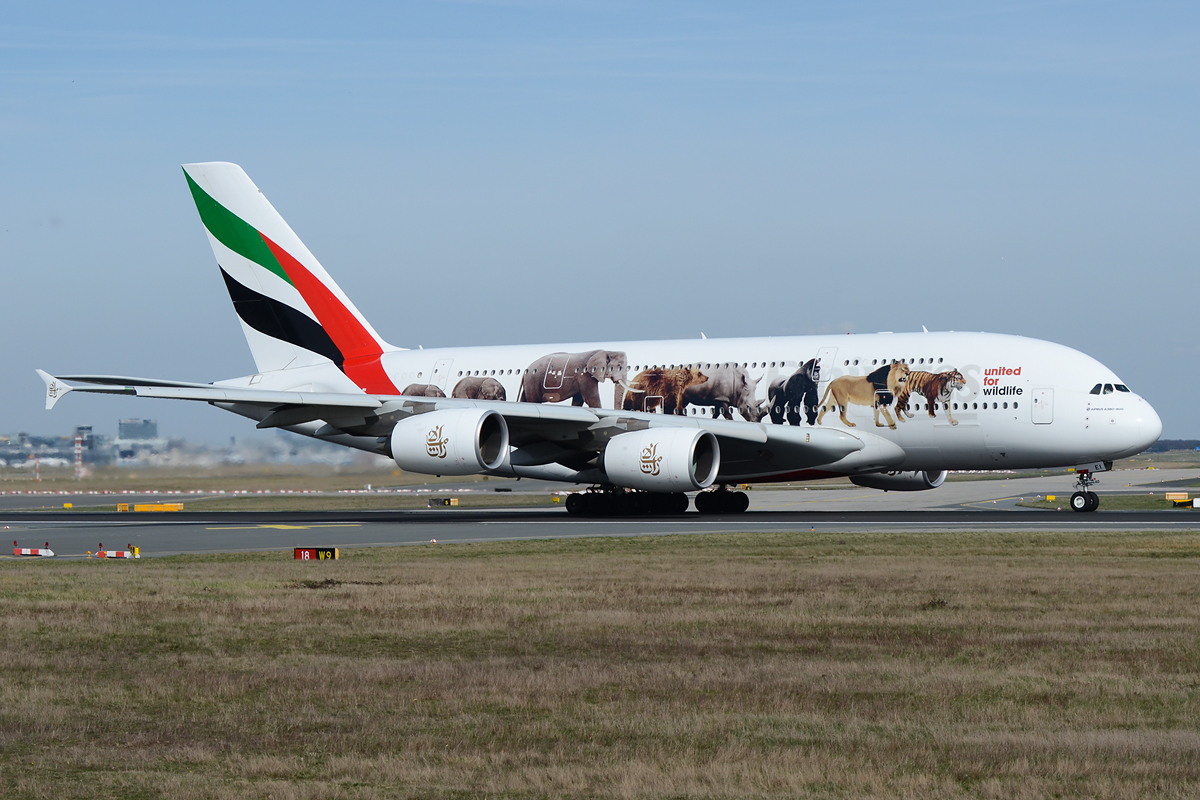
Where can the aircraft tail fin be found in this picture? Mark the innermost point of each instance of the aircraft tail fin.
(291, 310)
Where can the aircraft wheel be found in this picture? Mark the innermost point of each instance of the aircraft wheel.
(604, 505)
(663, 503)
(1080, 502)
(1093, 501)
(738, 502)
(706, 502)
(679, 503)
(624, 505)
(575, 505)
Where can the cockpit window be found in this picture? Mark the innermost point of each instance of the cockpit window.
(1122, 387)
(1108, 388)
(1095, 389)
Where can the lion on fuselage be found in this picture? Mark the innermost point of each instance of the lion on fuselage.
(878, 390)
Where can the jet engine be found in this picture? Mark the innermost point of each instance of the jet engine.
(663, 459)
(454, 442)
(900, 481)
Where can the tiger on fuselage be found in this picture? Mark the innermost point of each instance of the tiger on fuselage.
(936, 387)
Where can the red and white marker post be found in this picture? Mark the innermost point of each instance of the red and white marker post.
(129, 552)
(44, 552)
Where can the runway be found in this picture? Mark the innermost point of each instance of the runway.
(73, 534)
(962, 506)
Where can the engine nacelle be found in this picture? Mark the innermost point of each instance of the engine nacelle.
(900, 481)
(663, 459)
(454, 442)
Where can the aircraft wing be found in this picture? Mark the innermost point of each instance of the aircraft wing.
(284, 408)
(56, 388)
(540, 433)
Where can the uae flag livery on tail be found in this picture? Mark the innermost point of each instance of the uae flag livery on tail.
(292, 312)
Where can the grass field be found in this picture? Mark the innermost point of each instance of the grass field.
(1144, 501)
(767, 665)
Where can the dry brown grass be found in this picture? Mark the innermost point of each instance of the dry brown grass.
(768, 665)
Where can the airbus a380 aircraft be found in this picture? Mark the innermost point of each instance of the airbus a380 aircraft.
(642, 423)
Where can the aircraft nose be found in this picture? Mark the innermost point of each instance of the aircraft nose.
(1150, 426)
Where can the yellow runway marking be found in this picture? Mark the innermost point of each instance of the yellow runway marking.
(289, 527)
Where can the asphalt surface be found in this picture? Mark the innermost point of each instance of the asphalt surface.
(965, 506)
(74, 534)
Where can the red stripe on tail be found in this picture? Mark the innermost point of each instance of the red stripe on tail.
(359, 349)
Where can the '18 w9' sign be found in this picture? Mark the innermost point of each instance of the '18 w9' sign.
(316, 553)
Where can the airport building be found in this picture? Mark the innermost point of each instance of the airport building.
(138, 437)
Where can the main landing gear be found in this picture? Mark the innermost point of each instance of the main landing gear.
(722, 501)
(617, 503)
(1085, 499)
(624, 503)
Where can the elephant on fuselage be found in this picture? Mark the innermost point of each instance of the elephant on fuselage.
(479, 388)
(575, 377)
(422, 390)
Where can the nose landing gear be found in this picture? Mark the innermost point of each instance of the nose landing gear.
(1085, 500)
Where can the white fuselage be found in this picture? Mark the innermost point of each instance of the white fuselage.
(1024, 403)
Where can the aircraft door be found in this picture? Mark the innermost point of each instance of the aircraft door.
(555, 370)
(825, 363)
(441, 373)
(1042, 406)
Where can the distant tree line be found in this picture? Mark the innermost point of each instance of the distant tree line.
(1165, 445)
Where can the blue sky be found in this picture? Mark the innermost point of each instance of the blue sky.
(741, 169)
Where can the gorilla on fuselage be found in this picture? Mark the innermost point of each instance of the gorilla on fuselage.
(793, 395)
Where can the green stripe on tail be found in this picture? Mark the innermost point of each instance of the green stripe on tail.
(232, 231)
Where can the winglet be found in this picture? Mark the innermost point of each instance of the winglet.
(55, 389)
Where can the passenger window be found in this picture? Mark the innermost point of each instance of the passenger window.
(1095, 389)
(974, 406)
(1006, 405)
(1014, 405)
(1122, 387)
(1108, 388)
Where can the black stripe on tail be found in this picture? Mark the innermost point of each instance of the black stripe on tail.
(280, 321)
